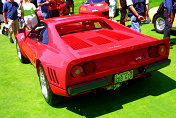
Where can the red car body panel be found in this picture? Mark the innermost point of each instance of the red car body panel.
(100, 9)
(113, 50)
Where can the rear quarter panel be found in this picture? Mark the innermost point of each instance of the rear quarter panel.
(53, 60)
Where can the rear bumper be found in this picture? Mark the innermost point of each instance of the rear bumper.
(154, 66)
(107, 81)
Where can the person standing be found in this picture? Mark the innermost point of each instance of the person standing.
(169, 14)
(10, 7)
(44, 5)
(28, 14)
(112, 9)
(53, 8)
(1, 16)
(122, 8)
(137, 11)
(19, 2)
(70, 3)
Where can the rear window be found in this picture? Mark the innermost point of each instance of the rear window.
(81, 26)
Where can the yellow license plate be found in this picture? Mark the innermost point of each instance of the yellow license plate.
(124, 76)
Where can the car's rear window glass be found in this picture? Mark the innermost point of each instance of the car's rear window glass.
(82, 26)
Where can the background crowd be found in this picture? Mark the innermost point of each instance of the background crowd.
(21, 12)
(17, 13)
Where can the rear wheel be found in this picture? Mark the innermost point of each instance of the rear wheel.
(49, 96)
(159, 23)
(20, 55)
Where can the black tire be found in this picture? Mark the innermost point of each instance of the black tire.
(159, 23)
(20, 55)
(3, 30)
(49, 96)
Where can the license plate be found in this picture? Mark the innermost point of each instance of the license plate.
(124, 76)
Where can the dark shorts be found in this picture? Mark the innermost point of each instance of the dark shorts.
(68, 3)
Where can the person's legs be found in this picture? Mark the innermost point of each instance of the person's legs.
(51, 13)
(68, 3)
(13, 28)
(45, 14)
(10, 26)
(112, 11)
(135, 23)
(21, 23)
(28, 22)
(34, 22)
(16, 27)
(123, 13)
(72, 6)
(55, 13)
(168, 25)
(0, 27)
(1, 21)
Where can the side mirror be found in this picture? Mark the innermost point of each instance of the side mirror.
(21, 30)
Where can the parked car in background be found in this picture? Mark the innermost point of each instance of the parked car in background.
(156, 16)
(96, 7)
(80, 53)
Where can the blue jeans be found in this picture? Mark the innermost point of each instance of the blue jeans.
(45, 14)
(21, 23)
(168, 25)
(135, 23)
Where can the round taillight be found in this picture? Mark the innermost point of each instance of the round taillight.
(153, 52)
(106, 7)
(89, 67)
(162, 50)
(83, 8)
(77, 71)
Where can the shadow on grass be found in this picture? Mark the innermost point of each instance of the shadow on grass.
(104, 102)
(173, 32)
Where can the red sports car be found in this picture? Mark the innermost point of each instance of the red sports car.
(79, 53)
(61, 6)
(96, 7)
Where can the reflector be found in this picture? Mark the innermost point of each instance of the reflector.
(153, 52)
(162, 50)
(77, 71)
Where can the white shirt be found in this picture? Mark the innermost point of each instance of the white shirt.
(130, 2)
(3, 1)
(29, 10)
(112, 2)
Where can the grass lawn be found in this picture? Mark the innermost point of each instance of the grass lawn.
(21, 97)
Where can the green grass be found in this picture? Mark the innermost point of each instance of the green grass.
(21, 97)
